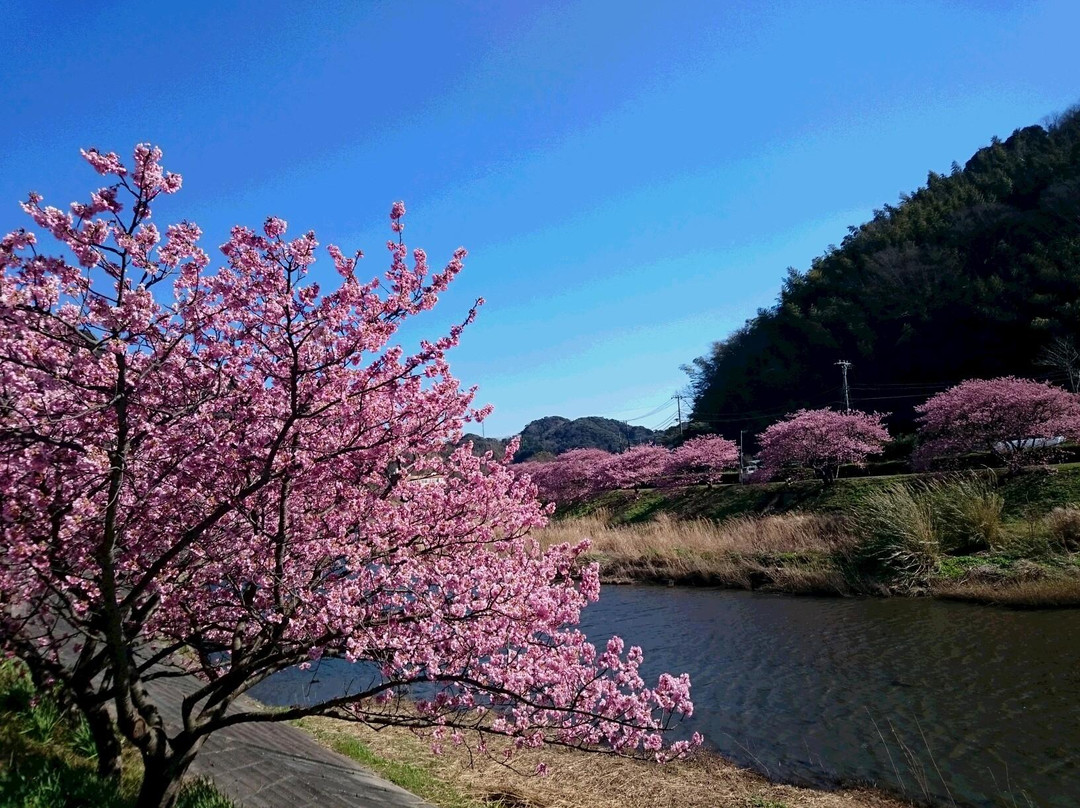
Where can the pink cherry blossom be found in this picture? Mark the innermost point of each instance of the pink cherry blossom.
(701, 460)
(821, 440)
(397, 212)
(1011, 417)
(241, 465)
(639, 466)
(570, 477)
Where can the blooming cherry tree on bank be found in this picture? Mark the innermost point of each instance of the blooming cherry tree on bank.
(702, 460)
(234, 463)
(821, 440)
(1013, 418)
(571, 477)
(638, 466)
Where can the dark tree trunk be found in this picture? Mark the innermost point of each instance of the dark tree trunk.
(163, 778)
(106, 740)
(160, 789)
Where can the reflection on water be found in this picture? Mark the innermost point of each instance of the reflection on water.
(820, 689)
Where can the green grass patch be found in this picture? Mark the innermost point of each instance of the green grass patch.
(414, 777)
(954, 568)
(1040, 490)
(1030, 494)
(47, 757)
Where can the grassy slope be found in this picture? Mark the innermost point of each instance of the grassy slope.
(1031, 569)
(47, 759)
(1031, 494)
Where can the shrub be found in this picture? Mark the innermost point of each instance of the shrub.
(897, 534)
(1064, 526)
(966, 513)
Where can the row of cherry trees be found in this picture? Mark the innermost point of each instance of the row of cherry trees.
(580, 473)
(1014, 419)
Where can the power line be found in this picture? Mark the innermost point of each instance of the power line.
(892, 397)
(636, 417)
(720, 417)
(669, 421)
(649, 414)
(902, 385)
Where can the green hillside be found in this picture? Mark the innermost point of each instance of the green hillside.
(976, 274)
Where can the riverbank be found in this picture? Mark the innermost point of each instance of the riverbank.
(457, 779)
(1010, 541)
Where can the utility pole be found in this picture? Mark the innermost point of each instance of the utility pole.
(678, 402)
(844, 365)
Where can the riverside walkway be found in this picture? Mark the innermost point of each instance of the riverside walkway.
(271, 765)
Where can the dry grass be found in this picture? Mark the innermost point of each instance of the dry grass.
(742, 535)
(1034, 593)
(1063, 525)
(790, 552)
(577, 779)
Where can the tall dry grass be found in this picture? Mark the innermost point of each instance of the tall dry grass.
(967, 512)
(900, 538)
(1042, 593)
(790, 552)
(1063, 526)
(665, 535)
(905, 528)
(899, 535)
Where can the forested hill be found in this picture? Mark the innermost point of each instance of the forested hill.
(973, 275)
(555, 435)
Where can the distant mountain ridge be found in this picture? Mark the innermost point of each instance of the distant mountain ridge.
(554, 435)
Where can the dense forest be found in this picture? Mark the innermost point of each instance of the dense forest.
(976, 274)
(554, 434)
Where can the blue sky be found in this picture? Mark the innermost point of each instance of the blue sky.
(631, 179)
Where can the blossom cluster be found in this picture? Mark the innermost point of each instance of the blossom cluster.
(580, 473)
(241, 463)
(821, 440)
(1013, 418)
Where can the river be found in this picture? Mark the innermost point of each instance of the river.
(962, 703)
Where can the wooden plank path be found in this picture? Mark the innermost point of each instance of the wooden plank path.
(272, 765)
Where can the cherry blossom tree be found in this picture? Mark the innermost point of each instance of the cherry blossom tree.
(1016, 419)
(570, 477)
(701, 460)
(237, 465)
(638, 466)
(821, 440)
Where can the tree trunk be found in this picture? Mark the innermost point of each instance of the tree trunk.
(162, 780)
(106, 740)
(159, 789)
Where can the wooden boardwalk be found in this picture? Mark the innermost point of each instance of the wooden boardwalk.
(271, 765)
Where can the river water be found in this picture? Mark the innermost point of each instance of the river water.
(962, 703)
